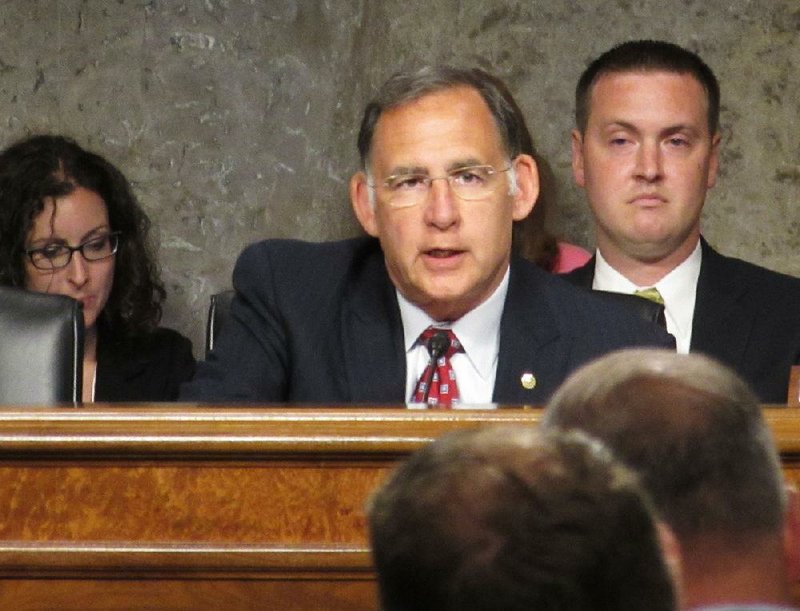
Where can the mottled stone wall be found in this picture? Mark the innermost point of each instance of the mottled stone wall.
(235, 120)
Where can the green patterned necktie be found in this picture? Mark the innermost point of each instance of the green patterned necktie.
(650, 294)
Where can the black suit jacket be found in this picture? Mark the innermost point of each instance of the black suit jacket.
(319, 323)
(744, 315)
(148, 367)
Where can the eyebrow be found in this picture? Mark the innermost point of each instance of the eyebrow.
(465, 163)
(401, 170)
(91, 234)
(454, 165)
(670, 129)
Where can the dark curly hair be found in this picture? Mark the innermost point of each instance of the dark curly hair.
(49, 166)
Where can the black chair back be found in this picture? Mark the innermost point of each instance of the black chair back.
(41, 348)
(218, 312)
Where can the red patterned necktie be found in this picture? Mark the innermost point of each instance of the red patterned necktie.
(442, 344)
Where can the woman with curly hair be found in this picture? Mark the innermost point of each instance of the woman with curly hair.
(70, 225)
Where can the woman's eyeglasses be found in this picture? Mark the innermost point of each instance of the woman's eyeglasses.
(55, 256)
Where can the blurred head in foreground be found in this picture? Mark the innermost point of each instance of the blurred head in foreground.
(695, 434)
(507, 518)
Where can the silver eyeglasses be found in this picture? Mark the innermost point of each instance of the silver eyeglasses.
(55, 256)
(470, 183)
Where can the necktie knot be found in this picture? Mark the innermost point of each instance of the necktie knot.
(437, 385)
(650, 294)
(432, 338)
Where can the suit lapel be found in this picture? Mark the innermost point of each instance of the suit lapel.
(372, 335)
(374, 355)
(720, 326)
(529, 331)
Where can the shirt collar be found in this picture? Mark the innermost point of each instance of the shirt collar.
(607, 278)
(478, 330)
(678, 289)
(674, 285)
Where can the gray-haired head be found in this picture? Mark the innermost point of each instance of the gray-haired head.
(694, 432)
(407, 86)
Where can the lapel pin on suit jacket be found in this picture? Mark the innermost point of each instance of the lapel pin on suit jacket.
(528, 380)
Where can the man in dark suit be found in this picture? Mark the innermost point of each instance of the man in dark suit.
(646, 150)
(444, 178)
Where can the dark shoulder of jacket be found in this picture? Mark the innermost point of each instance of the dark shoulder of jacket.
(760, 281)
(293, 271)
(596, 307)
(300, 254)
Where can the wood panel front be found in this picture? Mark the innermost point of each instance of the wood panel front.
(169, 500)
(225, 476)
(187, 508)
(183, 576)
(182, 507)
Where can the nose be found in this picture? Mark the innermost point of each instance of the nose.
(77, 270)
(441, 209)
(648, 162)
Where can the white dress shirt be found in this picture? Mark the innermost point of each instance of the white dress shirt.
(479, 334)
(678, 289)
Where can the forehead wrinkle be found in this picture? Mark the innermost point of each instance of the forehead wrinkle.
(404, 126)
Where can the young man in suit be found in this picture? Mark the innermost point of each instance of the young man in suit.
(444, 177)
(646, 150)
(694, 432)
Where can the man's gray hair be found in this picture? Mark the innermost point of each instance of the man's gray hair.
(407, 86)
(694, 432)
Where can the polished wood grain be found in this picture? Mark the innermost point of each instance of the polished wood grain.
(793, 395)
(179, 507)
(184, 576)
(182, 507)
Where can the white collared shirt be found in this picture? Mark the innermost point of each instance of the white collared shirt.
(678, 288)
(479, 334)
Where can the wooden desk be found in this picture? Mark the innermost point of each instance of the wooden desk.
(189, 508)
(793, 395)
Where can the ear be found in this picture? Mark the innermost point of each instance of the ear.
(360, 200)
(577, 158)
(713, 162)
(671, 550)
(527, 192)
(791, 533)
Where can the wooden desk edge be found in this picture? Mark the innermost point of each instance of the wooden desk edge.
(65, 559)
(204, 432)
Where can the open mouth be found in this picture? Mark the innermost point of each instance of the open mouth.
(442, 253)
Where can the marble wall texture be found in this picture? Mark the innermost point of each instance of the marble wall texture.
(236, 119)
